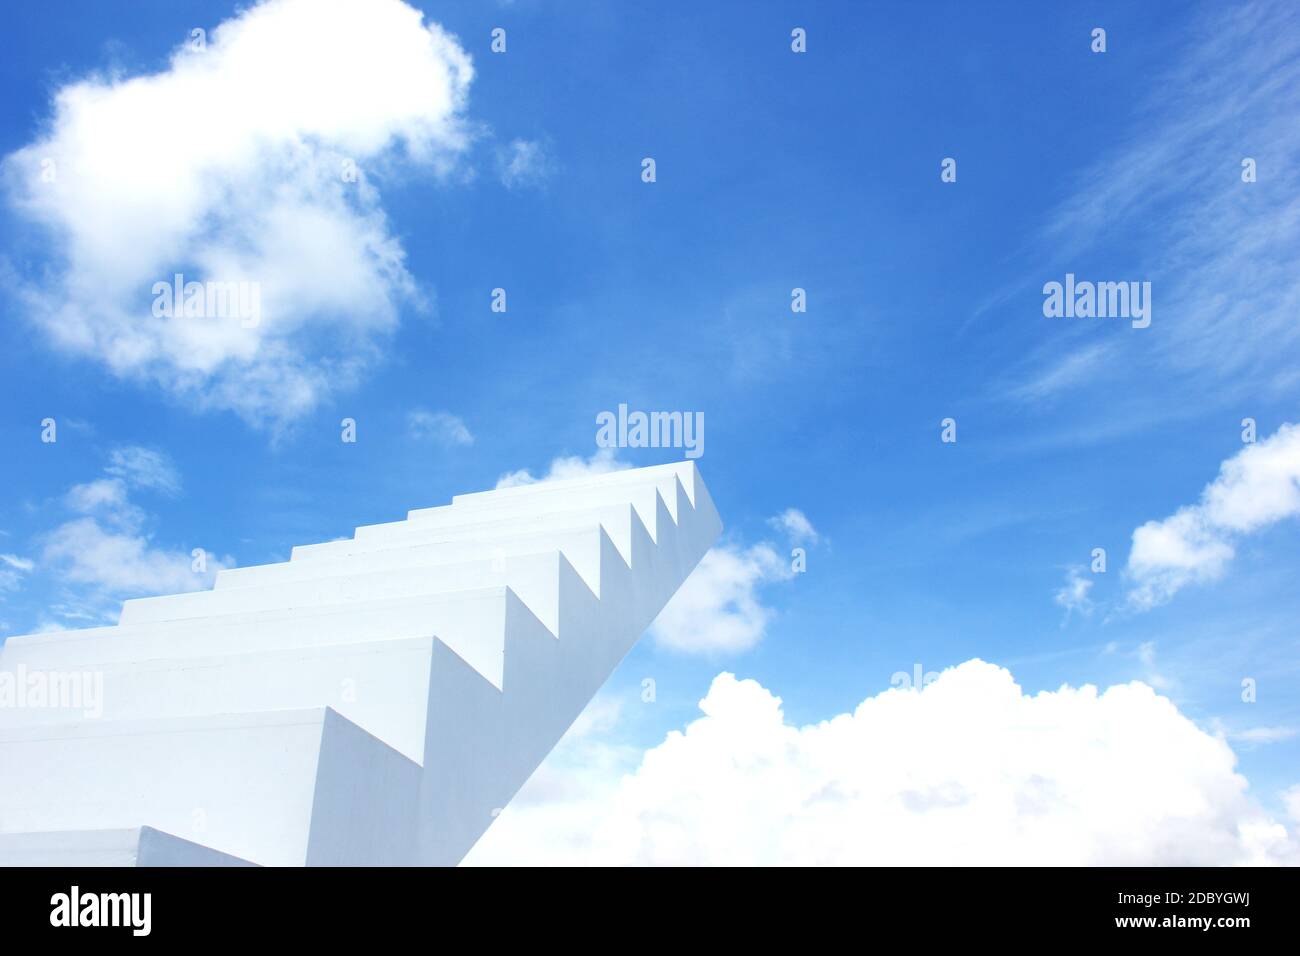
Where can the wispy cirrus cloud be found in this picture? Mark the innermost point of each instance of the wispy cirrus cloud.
(1052, 375)
(1073, 594)
(524, 162)
(144, 468)
(1257, 736)
(1219, 251)
(13, 568)
(442, 427)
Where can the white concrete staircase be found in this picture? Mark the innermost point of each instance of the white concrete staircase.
(371, 701)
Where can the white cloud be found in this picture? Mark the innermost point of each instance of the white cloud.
(228, 166)
(12, 569)
(1172, 181)
(718, 609)
(1146, 655)
(796, 526)
(1177, 179)
(129, 466)
(969, 770)
(1062, 374)
(144, 468)
(105, 496)
(1073, 594)
(1291, 800)
(604, 461)
(523, 163)
(442, 427)
(1264, 735)
(107, 547)
(122, 562)
(1258, 486)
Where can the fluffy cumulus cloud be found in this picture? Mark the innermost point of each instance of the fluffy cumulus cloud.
(719, 609)
(121, 560)
(107, 548)
(1291, 799)
(105, 496)
(604, 461)
(1257, 487)
(969, 770)
(246, 165)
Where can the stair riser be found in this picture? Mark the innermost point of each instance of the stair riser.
(434, 664)
(241, 790)
(249, 787)
(471, 622)
(616, 520)
(459, 516)
(382, 687)
(683, 471)
(530, 575)
(580, 546)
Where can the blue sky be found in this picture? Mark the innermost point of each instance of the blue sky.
(775, 170)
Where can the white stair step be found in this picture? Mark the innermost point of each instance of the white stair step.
(370, 701)
(642, 497)
(483, 744)
(684, 471)
(136, 846)
(617, 520)
(533, 577)
(381, 686)
(580, 546)
(470, 622)
(286, 788)
(393, 572)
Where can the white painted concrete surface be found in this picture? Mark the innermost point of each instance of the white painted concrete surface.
(373, 701)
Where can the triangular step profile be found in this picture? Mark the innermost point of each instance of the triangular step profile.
(281, 788)
(372, 701)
